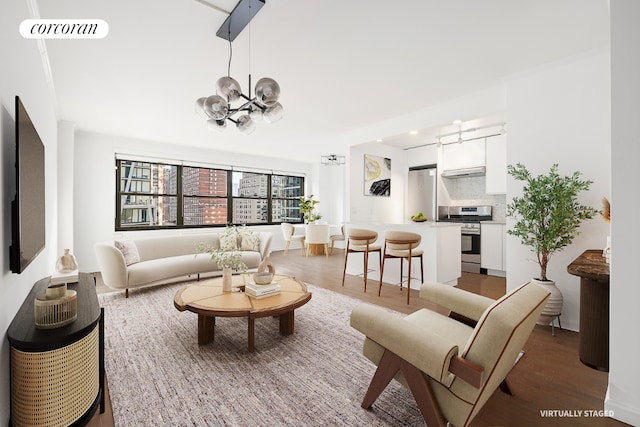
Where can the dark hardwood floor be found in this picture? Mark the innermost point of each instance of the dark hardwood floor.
(550, 376)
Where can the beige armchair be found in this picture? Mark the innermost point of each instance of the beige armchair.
(451, 368)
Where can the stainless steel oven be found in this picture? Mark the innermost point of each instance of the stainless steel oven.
(470, 243)
(469, 218)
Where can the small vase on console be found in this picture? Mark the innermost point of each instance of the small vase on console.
(66, 263)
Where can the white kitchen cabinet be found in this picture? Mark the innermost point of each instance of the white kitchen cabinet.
(496, 175)
(420, 156)
(467, 154)
(492, 247)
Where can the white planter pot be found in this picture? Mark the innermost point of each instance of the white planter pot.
(553, 307)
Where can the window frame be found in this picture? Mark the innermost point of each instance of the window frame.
(180, 195)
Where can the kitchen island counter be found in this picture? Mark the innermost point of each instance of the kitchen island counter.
(441, 246)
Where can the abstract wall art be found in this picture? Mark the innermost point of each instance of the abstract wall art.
(377, 176)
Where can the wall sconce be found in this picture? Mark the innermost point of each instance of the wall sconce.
(332, 160)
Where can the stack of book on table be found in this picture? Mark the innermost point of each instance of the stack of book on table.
(261, 291)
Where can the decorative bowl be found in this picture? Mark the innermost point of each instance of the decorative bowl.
(263, 278)
(418, 219)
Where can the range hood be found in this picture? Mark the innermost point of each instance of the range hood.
(463, 173)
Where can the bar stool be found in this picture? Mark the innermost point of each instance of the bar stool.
(361, 241)
(402, 244)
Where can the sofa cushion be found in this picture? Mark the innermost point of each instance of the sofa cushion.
(249, 241)
(129, 251)
(229, 239)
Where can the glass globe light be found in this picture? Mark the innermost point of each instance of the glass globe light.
(228, 88)
(274, 113)
(267, 91)
(218, 125)
(245, 124)
(216, 107)
(255, 113)
(199, 107)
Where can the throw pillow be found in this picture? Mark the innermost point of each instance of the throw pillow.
(129, 251)
(229, 239)
(250, 241)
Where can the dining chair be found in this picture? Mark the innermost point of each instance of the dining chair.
(317, 234)
(402, 245)
(288, 234)
(337, 238)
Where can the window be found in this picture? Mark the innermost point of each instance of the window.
(147, 195)
(286, 192)
(204, 196)
(156, 195)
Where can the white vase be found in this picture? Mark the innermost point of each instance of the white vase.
(553, 307)
(227, 279)
(66, 263)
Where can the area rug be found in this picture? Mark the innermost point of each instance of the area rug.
(159, 375)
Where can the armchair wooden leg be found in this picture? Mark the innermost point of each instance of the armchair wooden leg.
(504, 387)
(389, 365)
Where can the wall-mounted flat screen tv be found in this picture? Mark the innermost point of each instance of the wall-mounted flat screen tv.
(28, 207)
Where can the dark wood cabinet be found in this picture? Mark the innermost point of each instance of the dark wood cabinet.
(57, 375)
(593, 271)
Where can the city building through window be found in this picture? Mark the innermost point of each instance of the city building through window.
(158, 195)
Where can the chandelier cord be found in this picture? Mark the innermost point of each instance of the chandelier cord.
(230, 56)
(230, 49)
(249, 51)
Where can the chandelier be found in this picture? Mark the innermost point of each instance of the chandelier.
(332, 160)
(229, 103)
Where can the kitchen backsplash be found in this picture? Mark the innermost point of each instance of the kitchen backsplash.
(471, 192)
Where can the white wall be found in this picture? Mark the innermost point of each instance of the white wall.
(94, 184)
(365, 208)
(623, 394)
(561, 114)
(331, 193)
(66, 132)
(22, 74)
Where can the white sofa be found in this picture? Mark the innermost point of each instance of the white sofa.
(164, 258)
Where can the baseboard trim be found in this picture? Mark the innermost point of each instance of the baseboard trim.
(621, 411)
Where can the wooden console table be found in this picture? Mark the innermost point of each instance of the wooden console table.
(593, 271)
(57, 375)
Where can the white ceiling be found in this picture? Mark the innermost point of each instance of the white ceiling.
(342, 65)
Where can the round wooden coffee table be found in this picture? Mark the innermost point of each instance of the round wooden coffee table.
(208, 301)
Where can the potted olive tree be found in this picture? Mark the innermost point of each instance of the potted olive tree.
(547, 216)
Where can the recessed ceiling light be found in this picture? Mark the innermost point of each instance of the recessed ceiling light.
(457, 122)
(413, 132)
(379, 140)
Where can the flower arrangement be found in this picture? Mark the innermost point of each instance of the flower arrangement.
(229, 259)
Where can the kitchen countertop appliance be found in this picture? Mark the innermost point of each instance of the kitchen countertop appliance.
(469, 217)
